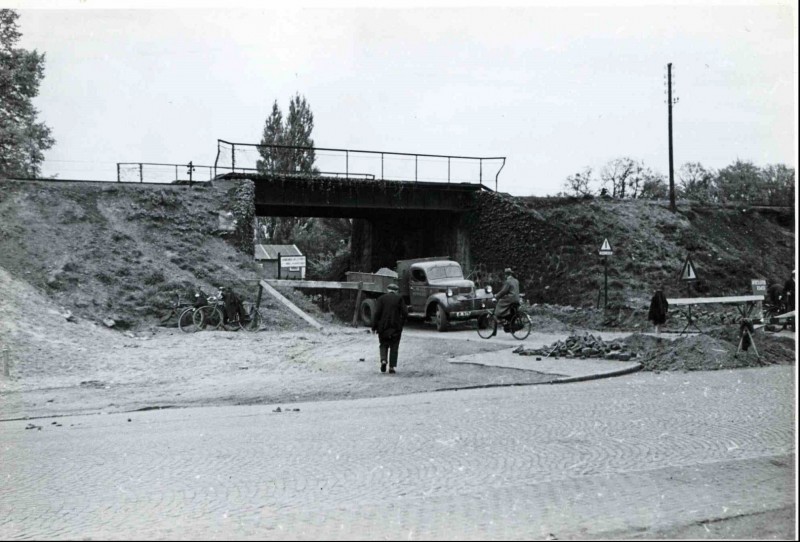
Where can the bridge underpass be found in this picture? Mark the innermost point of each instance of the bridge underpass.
(394, 219)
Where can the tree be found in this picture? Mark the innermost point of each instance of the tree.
(618, 174)
(294, 131)
(779, 184)
(697, 183)
(654, 185)
(740, 182)
(23, 140)
(577, 184)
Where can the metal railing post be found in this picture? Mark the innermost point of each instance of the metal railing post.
(141, 173)
(480, 161)
(118, 176)
(448, 170)
(233, 157)
(416, 157)
(381, 166)
(347, 163)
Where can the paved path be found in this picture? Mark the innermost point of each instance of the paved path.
(637, 452)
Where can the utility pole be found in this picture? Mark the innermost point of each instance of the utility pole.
(672, 206)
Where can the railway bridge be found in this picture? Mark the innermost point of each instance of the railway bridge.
(397, 217)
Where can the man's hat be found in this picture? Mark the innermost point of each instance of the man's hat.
(508, 271)
(392, 287)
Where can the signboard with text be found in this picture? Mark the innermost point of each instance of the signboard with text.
(759, 286)
(293, 261)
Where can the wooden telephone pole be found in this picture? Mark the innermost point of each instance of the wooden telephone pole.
(672, 206)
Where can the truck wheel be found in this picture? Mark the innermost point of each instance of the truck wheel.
(441, 318)
(367, 311)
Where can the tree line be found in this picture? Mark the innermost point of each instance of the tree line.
(741, 182)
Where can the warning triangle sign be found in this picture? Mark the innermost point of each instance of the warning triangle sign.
(688, 272)
(605, 246)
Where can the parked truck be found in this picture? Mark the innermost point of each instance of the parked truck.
(433, 288)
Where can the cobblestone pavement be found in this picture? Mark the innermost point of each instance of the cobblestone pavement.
(627, 454)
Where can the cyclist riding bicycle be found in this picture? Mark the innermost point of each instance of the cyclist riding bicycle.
(507, 299)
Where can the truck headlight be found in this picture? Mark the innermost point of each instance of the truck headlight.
(488, 289)
(449, 292)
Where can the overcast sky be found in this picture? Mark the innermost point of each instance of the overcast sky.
(553, 89)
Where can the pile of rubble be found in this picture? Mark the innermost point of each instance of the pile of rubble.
(582, 347)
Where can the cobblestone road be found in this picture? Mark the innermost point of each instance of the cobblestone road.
(629, 453)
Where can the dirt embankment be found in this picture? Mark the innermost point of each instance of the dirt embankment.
(553, 244)
(122, 252)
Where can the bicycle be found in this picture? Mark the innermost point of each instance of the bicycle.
(519, 324)
(252, 320)
(209, 316)
(212, 316)
(185, 312)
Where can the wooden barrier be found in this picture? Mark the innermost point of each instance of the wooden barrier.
(744, 304)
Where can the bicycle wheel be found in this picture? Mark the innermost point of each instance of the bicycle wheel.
(207, 317)
(253, 322)
(521, 326)
(487, 325)
(186, 320)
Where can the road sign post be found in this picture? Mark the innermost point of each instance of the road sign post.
(688, 275)
(605, 252)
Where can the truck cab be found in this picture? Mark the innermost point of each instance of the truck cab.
(435, 289)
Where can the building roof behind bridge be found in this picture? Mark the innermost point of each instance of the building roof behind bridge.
(270, 252)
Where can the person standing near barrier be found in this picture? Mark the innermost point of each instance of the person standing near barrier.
(388, 321)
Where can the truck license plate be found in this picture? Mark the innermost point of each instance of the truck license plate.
(462, 314)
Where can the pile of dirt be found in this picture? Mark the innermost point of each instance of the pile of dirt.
(707, 352)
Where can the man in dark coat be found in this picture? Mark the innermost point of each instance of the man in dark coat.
(390, 316)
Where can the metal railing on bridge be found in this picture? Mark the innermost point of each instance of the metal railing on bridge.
(155, 173)
(354, 163)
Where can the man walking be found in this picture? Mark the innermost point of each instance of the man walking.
(390, 316)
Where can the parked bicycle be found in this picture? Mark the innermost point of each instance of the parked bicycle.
(519, 323)
(184, 311)
(212, 316)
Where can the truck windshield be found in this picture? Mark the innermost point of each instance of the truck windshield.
(452, 271)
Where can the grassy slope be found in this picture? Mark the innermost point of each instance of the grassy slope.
(554, 245)
(122, 251)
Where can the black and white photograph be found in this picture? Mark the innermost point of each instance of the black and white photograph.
(350, 270)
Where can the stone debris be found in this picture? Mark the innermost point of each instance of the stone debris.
(581, 347)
